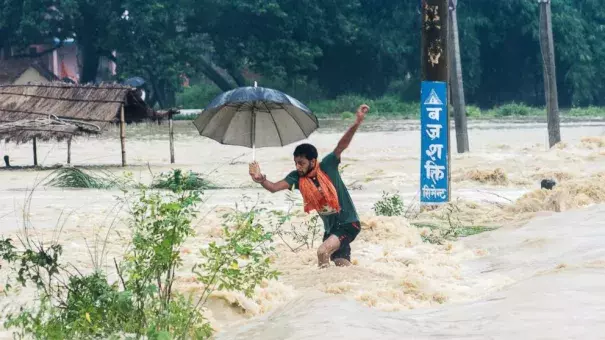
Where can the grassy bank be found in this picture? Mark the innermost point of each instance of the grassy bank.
(405, 110)
(389, 106)
(345, 106)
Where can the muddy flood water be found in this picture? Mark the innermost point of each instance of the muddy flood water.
(537, 275)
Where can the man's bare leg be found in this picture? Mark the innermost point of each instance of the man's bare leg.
(342, 262)
(326, 249)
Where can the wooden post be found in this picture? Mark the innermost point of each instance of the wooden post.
(550, 78)
(171, 137)
(69, 150)
(123, 134)
(457, 85)
(35, 152)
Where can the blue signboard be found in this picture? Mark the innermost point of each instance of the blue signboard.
(434, 132)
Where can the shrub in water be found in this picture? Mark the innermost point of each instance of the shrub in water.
(142, 303)
(177, 179)
(389, 205)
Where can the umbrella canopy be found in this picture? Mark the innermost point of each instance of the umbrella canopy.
(134, 81)
(256, 117)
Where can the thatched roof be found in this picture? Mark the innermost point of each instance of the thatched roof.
(60, 110)
(12, 69)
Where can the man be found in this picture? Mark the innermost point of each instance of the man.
(324, 191)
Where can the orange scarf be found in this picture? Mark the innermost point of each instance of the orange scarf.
(312, 197)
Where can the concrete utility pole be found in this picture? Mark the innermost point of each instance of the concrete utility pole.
(457, 85)
(550, 76)
(434, 114)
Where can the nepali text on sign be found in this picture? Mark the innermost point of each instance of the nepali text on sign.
(434, 130)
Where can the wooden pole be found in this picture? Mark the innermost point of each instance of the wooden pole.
(69, 150)
(550, 77)
(171, 137)
(456, 81)
(35, 152)
(123, 134)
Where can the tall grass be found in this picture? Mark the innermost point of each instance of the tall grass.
(76, 178)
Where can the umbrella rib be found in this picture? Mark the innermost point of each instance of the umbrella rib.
(267, 107)
(295, 120)
(281, 141)
(213, 116)
(227, 129)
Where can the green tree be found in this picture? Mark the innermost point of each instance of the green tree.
(23, 22)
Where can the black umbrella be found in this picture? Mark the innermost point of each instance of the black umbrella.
(256, 117)
(134, 81)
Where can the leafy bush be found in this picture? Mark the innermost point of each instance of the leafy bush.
(591, 111)
(389, 205)
(514, 109)
(401, 101)
(308, 231)
(197, 96)
(142, 302)
(473, 111)
(347, 115)
(383, 106)
(240, 262)
(176, 179)
(448, 226)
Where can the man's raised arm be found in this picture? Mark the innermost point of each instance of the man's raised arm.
(348, 136)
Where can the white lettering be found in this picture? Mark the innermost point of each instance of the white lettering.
(434, 149)
(434, 172)
(428, 192)
(434, 130)
(434, 112)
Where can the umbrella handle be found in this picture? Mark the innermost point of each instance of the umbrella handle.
(253, 134)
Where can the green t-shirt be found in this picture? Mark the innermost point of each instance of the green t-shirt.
(329, 165)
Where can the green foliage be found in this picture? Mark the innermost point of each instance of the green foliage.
(514, 109)
(473, 111)
(160, 226)
(347, 115)
(449, 226)
(307, 232)
(22, 22)
(321, 50)
(197, 96)
(389, 205)
(142, 302)
(303, 235)
(241, 261)
(157, 45)
(383, 106)
(176, 179)
(173, 180)
(76, 178)
(590, 111)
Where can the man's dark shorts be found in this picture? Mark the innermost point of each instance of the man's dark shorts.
(346, 233)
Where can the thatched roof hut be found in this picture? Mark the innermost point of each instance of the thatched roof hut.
(60, 111)
(13, 69)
